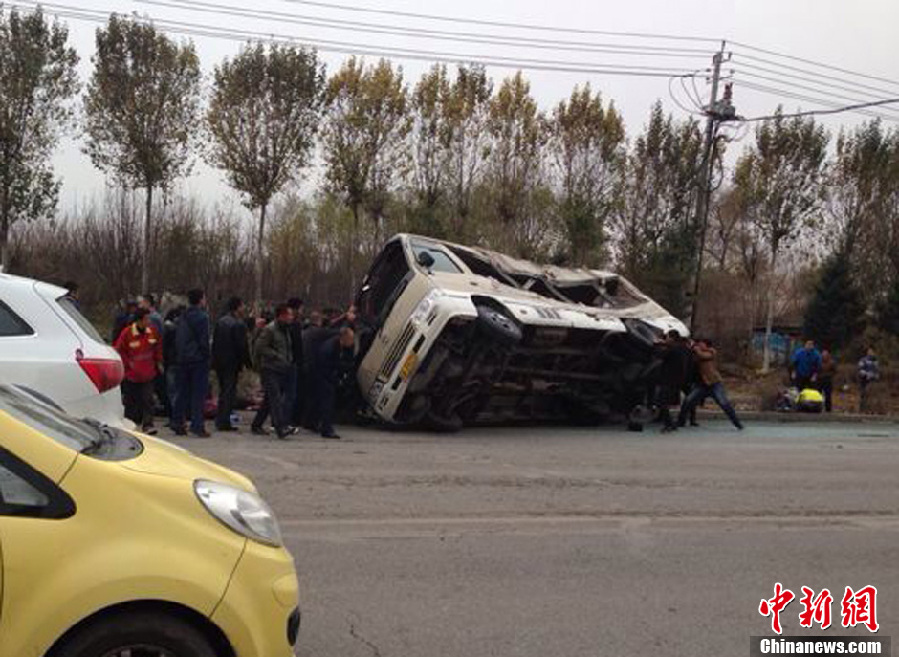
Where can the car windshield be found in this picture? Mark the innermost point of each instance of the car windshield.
(50, 421)
(442, 261)
(481, 267)
(85, 436)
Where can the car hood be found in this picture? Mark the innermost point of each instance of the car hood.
(163, 458)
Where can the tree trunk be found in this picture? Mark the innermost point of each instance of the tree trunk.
(145, 260)
(5, 254)
(769, 315)
(260, 259)
(353, 245)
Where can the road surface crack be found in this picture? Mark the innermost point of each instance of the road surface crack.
(375, 651)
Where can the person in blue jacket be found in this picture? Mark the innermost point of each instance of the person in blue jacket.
(805, 366)
(192, 352)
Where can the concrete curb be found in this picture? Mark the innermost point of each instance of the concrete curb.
(789, 417)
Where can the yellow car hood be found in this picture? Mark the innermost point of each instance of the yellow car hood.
(163, 458)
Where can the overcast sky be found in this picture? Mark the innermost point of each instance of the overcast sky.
(858, 36)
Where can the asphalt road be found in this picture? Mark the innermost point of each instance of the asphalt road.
(539, 542)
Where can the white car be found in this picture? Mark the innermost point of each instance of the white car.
(49, 347)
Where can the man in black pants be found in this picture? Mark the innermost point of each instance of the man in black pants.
(192, 352)
(325, 376)
(675, 356)
(230, 354)
(296, 399)
(274, 357)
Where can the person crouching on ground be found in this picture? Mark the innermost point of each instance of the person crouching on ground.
(274, 357)
(325, 376)
(710, 385)
(140, 347)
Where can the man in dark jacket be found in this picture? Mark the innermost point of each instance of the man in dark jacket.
(274, 359)
(192, 347)
(325, 374)
(675, 363)
(230, 354)
(297, 390)
(825, 378)
(170, 360)
(313, 337)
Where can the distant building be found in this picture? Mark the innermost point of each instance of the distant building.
(785, 338)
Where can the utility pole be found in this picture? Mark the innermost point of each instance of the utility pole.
(716, 111)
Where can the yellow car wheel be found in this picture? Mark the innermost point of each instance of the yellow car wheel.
(138, 635)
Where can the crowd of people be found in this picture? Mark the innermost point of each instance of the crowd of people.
(687, 375)
(689, 368)
(299, 360)
(814, 369)
(168, 361)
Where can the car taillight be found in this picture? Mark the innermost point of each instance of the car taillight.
(104, 373)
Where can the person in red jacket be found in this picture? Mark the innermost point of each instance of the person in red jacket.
(140, 346)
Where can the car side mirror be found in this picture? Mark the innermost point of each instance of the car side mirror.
(425, 259)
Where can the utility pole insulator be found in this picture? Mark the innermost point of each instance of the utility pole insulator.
(724, 109)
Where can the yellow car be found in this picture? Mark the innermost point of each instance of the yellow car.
(119, 545)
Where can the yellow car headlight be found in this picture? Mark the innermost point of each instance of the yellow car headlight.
(241, 511)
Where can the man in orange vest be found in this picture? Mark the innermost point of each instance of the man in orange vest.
(140, 347)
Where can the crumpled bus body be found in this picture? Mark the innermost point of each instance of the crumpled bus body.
(461, 335)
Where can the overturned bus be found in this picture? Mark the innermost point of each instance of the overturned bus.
(459, 335)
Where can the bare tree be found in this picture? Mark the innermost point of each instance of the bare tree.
(517, 132)
(263, 117)
(587, 146)
(430, 136)
(364, 134)
(779, 182)
(467, 110)
(141, 111)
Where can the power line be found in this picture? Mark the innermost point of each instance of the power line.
(343, 47)
(856, 88)
(349, 48)
(493, 23)
(698, 96)
(846, 108)
(793, 85)
(815, 63)
(783, 93)
(467, 37)
(676, 101)
(815, 74)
